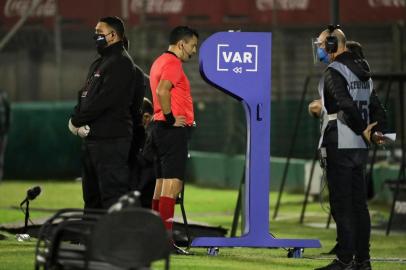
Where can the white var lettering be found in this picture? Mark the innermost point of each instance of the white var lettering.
(227, 56)
(235, 57)
(247, 57)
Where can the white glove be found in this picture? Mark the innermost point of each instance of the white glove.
(83, 131)
(72, 128)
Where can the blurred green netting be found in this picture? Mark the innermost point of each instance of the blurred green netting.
(41, 146)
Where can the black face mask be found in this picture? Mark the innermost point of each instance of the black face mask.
(100, 41)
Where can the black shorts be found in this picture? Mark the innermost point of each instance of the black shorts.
(171, 145)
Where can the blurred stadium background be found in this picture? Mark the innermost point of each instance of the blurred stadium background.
(44, 64)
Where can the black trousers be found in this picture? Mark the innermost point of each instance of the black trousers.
(105, 171)
(348, 201)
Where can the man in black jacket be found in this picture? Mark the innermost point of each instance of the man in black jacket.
(114, 89)
(355, 118)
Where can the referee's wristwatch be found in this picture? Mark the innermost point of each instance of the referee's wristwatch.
(169, 118)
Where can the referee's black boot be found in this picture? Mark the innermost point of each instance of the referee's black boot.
(338, 265)
(364, 265)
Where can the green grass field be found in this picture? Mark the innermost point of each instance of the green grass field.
(212, 206)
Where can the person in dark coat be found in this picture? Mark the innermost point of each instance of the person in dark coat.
(104, 115)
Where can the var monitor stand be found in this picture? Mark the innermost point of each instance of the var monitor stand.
(239, 64)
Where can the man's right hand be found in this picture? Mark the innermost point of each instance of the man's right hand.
(367, 132)
(180, 121)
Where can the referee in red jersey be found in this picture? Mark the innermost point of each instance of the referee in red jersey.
(173, 114)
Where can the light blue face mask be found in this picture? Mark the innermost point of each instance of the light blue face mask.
(323, 55)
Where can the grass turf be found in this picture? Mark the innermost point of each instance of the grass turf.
(213, 206)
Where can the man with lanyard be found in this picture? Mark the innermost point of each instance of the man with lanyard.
(114, 89)
(355, 118)
(173, 113)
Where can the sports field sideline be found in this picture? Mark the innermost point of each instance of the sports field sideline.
(212, 206)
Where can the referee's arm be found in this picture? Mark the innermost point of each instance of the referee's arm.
(163, 93)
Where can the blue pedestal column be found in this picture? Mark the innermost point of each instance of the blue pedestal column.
(239, 64)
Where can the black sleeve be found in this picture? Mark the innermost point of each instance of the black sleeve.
(76, 108)
(335, 85)
(139, 93)
(377, 113)
(92, 67)
(114, 89)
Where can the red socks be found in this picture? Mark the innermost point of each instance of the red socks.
(167, 210)
(155, 205)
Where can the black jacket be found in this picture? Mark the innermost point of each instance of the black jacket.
(112, 96)
(337, 98)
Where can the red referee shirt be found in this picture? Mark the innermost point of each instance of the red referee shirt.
(169, 67)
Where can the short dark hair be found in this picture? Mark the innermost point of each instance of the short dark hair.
(147, 106)
(181, 32)
(118, 25)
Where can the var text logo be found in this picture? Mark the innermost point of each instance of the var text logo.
(237, 59)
